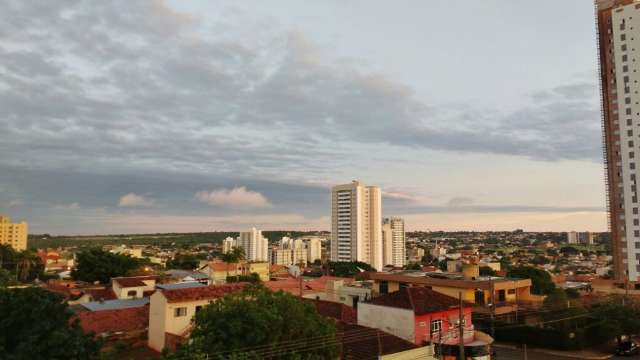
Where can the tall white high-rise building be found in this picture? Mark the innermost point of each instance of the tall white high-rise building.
(314, 249)
(255, 246)
(393, 242)
(619, 55)
(228, 244)
(356, 223)
(572, 237)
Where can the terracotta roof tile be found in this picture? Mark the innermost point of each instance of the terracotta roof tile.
(133, 281)
(363, 343)
(334, 310)
(202, 293)
(420, 300)
(103, 293)
(111, 321)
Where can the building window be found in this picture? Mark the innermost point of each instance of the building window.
(179, 312)
(625, 68)
(623, 37)
(627, 100)
(384, 287)
(624, 47)
(624, 57)
(632, 166)
(198, 308)
(132, 293)
(436, 326)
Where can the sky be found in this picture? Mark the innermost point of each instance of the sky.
(178, 116)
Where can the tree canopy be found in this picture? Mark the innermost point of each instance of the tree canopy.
(257, 322)
(348, 269)
(618, 316)
(183, 262)
(540, 279)
(36, 325)
(98, 265)
(22, 266)
(487, 271)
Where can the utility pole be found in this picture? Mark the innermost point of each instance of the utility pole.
(517, 304)
(461, 327)
(493, 309)
(524, 347)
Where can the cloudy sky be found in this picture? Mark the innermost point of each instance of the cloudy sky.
(151, 116)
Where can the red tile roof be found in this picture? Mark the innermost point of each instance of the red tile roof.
(420, 300)
(112, 321)
(202, 293)
(334, 310)
(221, 266)
(364, 343)
(133, 281)
(292, 285)
(103, 293)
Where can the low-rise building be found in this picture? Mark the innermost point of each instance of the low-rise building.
(425, 317)
(506, 294)
(218, 271)
(133, 287)
(171, 311)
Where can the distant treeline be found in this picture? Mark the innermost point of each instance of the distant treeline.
(41, 241)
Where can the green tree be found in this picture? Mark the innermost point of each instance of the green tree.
(183, 262)
(413, 266)
(618, 316)
(98, 265)
(540, 279)
(487, 271)
(539, 260)
(261, 320)
(348, 268)
(36, 324)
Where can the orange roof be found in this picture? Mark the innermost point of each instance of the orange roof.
(120, 320)
(201, 293)
(221, 266)
(133, 281)
(311, 286)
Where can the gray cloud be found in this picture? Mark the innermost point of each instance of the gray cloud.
(157, 93)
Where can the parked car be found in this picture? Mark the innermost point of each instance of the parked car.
(627, 348)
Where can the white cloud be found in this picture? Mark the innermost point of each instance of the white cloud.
(135, 200)
(238, 197)
(72, 206)
(16, 203)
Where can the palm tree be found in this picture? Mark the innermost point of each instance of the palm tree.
(227, 258)
(238, 255)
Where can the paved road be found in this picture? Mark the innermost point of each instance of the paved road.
(508, 354)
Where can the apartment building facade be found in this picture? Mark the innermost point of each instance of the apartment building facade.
(13, 234)
(618, 24)
(393, 242)
(356, 224)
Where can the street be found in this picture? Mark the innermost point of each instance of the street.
(510, 354)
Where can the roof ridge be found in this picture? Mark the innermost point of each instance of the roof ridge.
(410, 295)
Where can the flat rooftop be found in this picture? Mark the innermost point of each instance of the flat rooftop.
(115, 304)
(446, 279)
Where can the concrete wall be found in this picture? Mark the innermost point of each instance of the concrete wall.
(398, 322)
(157, 307)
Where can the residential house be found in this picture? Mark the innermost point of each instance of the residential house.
(133, 287)
(506, 294)
(218, 271)
(171, 311)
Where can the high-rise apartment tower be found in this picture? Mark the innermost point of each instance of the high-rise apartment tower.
(393, 242)
(618, 24)
(356, 224)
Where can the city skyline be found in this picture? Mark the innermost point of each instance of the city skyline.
(228, 116)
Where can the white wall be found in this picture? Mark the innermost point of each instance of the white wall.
(398, 322)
